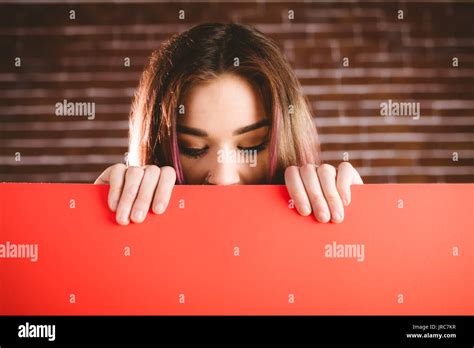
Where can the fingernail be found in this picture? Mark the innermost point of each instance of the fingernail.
(337, 217)
(306, 210)
(138, 215)
(348, 198)
(322, 216)
(123, 217)
(160, 208)
(113, 205)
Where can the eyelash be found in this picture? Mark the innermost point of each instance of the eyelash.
(192, 152)
(197, 153)
(257, 148)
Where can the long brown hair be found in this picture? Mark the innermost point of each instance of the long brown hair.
(200, 54)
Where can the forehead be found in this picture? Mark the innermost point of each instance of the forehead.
(222, 105)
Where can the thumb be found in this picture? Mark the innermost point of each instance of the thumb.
(103, 178)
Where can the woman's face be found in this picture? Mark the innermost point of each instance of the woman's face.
(223, 135)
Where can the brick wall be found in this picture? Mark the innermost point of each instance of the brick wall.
(405, 60)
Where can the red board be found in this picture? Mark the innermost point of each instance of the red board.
(403, 249)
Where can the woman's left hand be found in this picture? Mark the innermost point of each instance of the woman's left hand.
(322, 190)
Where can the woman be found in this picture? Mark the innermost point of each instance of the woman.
(218, 104)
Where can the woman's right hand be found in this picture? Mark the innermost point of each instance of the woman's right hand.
(134, 189)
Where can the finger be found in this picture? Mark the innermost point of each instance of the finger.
(315, 193)
(116, 179)
(163, 190)
(357, 179)
(113, 175)
(346, 176)
(327, 179)
(145, 193)
(296, 189)
(104, 176)
(133, 178)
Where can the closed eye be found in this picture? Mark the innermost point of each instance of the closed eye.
(256, 148)
(193, 152)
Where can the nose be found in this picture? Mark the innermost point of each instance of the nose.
(223, 174)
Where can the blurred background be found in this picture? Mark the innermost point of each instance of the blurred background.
(349, 57)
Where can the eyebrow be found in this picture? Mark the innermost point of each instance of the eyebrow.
(191, 131)
(249, 128)
(200, 133)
